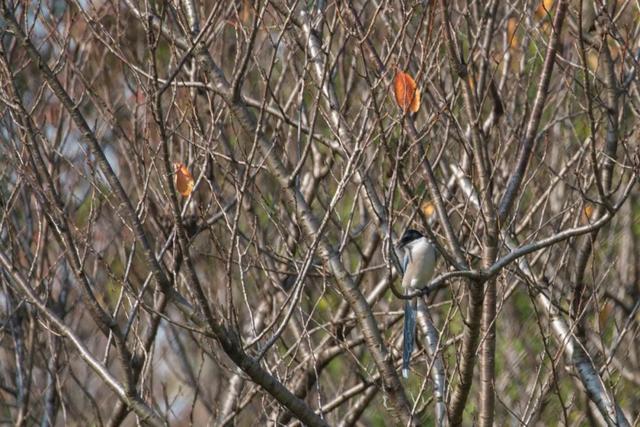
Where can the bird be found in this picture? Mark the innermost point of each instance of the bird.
(419, 261)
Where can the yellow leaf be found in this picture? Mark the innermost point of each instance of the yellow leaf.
(472, 82)
(428, 209)
(592, 60)
(615, 51)
(512, 38)
(406, 92)
(184, 180)
(604, 314)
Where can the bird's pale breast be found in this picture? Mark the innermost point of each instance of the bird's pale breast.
(421, 264)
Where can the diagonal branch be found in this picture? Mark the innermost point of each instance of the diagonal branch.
(526, 146)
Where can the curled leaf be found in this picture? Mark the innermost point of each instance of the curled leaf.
(406, 92)
(184, 180)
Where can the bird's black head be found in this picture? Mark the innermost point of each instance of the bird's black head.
(409, 236)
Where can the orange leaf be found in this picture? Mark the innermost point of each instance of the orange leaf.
(246, 11)
(184, 180)
(406, 92)
(544, 8)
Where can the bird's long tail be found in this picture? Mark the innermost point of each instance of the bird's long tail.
(408, 333)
